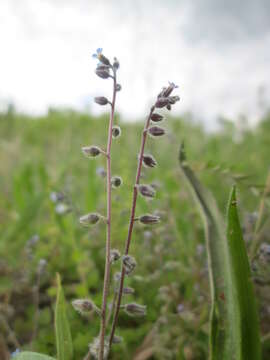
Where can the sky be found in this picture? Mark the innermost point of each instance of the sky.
(218, 52)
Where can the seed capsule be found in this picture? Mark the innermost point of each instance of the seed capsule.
(90, 219)
(134, 309)
(101, 100)
(156, 117)
(116, 131)
(116, 181)
(91, 151)
(146, 190)
(115, 255)
(129, 263)
(156, 131)
(149, 161)
(149, 219)
(103, 73)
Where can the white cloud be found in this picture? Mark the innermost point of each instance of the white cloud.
(46, 59)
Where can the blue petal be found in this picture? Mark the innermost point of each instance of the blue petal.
(99, 50)
(94, 56)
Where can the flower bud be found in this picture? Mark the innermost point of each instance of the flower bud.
(162, 102)
(117, 339)
(62, 209)
(90, 219)
(149, 219)
(146, 190)
(116, 131)
(83, 306)
(104, 60)
(94, 348)
(169, 107)
(156, 131)
(156, 117)
(103, 73)
(149, 161)
(117, 277)
(173, 99)
(116, 64)
(91, 151)
(134, 309)
(100, 171)
(116, 181)
(167, 91)
(118, 87)
(128, 291)
(115, 255)
(101, 100)
(129, 263)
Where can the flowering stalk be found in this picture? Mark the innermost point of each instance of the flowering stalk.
(108, 239)
(163, 100)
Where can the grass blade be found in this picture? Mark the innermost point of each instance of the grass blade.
(62, 329)
(244, 325)
(233, 318)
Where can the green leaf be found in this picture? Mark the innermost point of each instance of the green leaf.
(27, 355)
(244, 325)
(228, 278)
(62, 329)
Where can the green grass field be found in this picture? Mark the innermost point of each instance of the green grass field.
(39, 156)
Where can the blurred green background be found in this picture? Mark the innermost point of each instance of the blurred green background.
(42, 156)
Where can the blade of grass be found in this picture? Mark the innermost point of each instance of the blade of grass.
(62, 329)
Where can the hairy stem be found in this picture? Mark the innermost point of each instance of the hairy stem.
(108, 237)
(131, 223)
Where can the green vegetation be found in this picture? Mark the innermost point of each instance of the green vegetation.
(42, 156)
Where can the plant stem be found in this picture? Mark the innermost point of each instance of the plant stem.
(108, 237)
(131, 223)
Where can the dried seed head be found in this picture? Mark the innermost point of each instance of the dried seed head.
(101, 100)
(115, 255)
(156, 117)
(156, 131)
(115, 64)
(103, 73)
(83, 306)
(116, 181)
(128, 291)
(129, 263)
(149, 161)
(162, 102)
(134, 309)
(90, 219)
(91, 151)
(118, 87)
(146, 190)
(116, 131)
(149, 219)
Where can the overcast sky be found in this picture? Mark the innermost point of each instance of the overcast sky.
(218, 52)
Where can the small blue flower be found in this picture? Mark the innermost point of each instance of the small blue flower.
(16, 352)
(97, 54)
